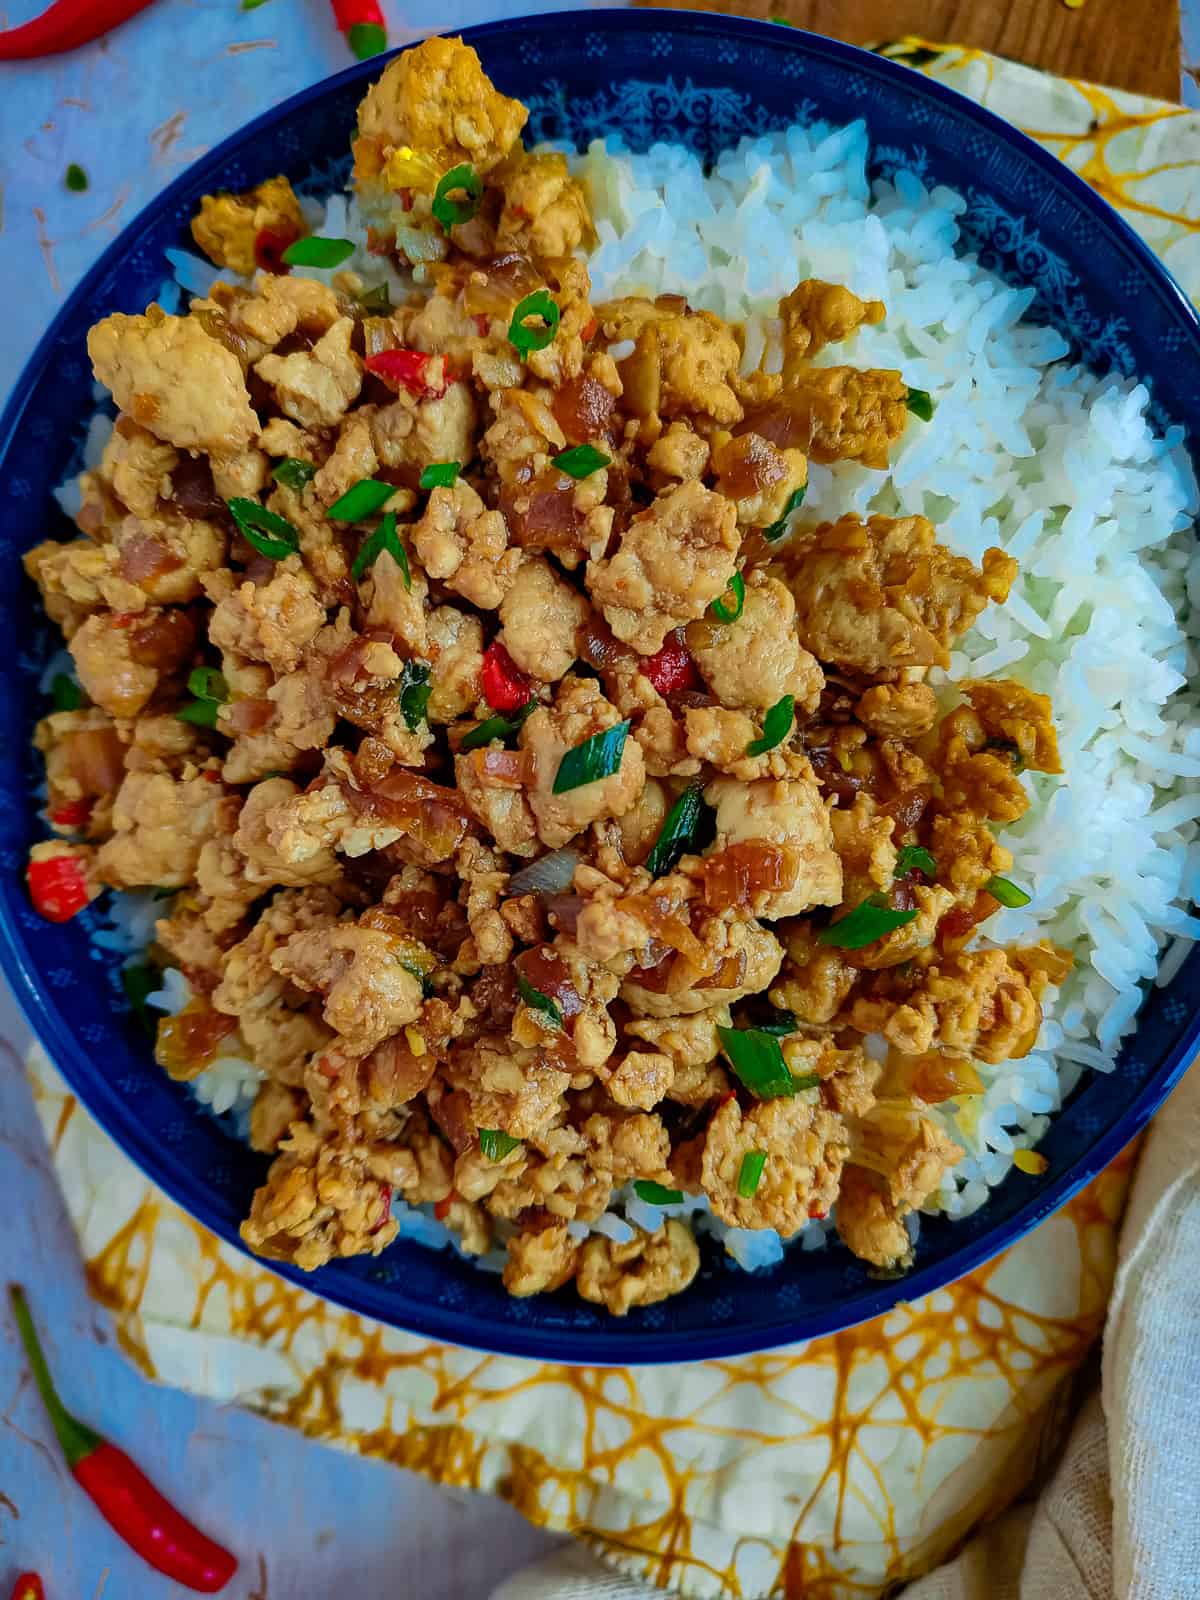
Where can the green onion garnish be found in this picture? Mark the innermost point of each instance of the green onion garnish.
(539, 1002)
(65, 693)
(496, 1144)
(76, 178)
(415, 689)
(1007, 892)
(781, 1024)
(270, 535)
(378, 299)
(363, 499)
(440, 474)
(920, 403)
(446, 209)
(252, 5)
(139, 981)
(386, 538)
(757, 1059)
(496, 728)
(730, 610)
(870, 920)
(317, 252)
(750, 1176)
(206, 683)
(776, 530)
(915, 857)
(777, 724)
(294, 473)
(596, 758)
(521, 336)
(366, 39)
(582, 461)
(677, 832)
(656, 1194)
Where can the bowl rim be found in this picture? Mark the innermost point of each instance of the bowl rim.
(460, 1326)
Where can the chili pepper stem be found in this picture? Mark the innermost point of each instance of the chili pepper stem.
(76, 1438)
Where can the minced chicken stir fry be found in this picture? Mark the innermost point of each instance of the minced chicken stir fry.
(542, 805)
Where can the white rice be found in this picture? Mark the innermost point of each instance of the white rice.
(1061, 468)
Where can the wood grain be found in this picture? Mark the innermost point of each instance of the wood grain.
(1130, 44)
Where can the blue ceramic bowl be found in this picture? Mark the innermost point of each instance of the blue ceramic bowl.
(704, 80)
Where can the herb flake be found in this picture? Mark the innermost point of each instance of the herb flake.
(294, 473)
(271, 535)
(523, 338)
(449, 211)
(415, 689)
(915, 858)
(317, 252)
(677, 833)
(596, 758)
(440, 474)
(920, 403)
(65, 693)
(362, 499)
(582, 461)
(656, 1194)
(496, 728)
(75, 178)
(751, 1173)
(546, 1008)
(726, 610)
(496, 1144)
(777, 724)
(872, 919)
(776, 530)
(1008, 893)
(139, 981)
(386, 538)
(757, 1058)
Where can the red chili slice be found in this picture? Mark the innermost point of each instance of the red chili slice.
(269, 245)
(672, 668)
(505, 686)
(58, 887)
(72, 814)
(410, 369)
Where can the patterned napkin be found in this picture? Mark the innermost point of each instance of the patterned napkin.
(833, 1468)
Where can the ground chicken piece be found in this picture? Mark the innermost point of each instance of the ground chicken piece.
(544, 507)
(275, 1108)
(689, 1041)
(628, 1146)
(280, 1039)
(650, 1268)
(877, 595)
(863, 838)
(244, 474)
(579, 712)
(484, 880)
(683, 364)
(512, 1088)
(170, 377)
(369, 991)
(414, 432)
(1011, 714)
(84, 755)
(159, 826)
(741, 957)
(789, 814)
(316, 387)
(248, 981)
(300, 719)
(846, 413)
(805, 1146)
(47, 566)
(931, 902)
(966, 853)
(280, 306)
(437, 100)
(815, 980)
(227, 226)
(540, 1261)
(898, 710)
(899, 1158)
(721, 738)
(539, 618)
(586, 988)
(639, 829)
(674, 559)
(491, 799)
(678, 454)
(456, 648)
(138, 466)
(640, 1080)
(272, 622)
(263, 864)
(816, 314)
(867, 1222)
(182, 940)
(466, 546)
(978, 775)
(977, 1002)
(320, 1201)
(322, 818)
(161, 560)
(397, 607)
(752, 663)
(545, 212)
(122, 659)
(352, 459)
(761, 480)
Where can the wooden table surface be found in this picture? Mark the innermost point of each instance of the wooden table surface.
(1133, 44)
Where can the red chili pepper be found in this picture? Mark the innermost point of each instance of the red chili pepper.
(58, 887)
(269, 245)
(672, 668)
(363, 24)
(408, 369)
(505, 686)
(28, 1587)
(147, 1522)
(72, 814)
(442, 1210)
(385, 1195)
(64, 25)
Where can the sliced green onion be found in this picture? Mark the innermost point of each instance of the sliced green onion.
(206, 683)
(294, 473)
(363, 499)
(915, 856)
(777, 724)
(386, 538)
(495, 1144)
(202, 713)
(677, 833)
(596, 758)
(776, 530)
(872, 919)
(1007, 892)
(656, 1194)
(76, 178)
(65, 693)
(539, 1002)
(750, 1176)
(317, 252)
(521, 336)
(446, 209)
(496, 728)
(440, 474)
(270, 535)
(415, 689)
(920, 403)
(582, 461)
(139, 981)
(378, 299)
(730, 610)
(366, 39)
(252, 5)
(757, 1058)
(781, 1024)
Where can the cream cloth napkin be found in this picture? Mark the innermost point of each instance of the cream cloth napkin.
(1120, 1517)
